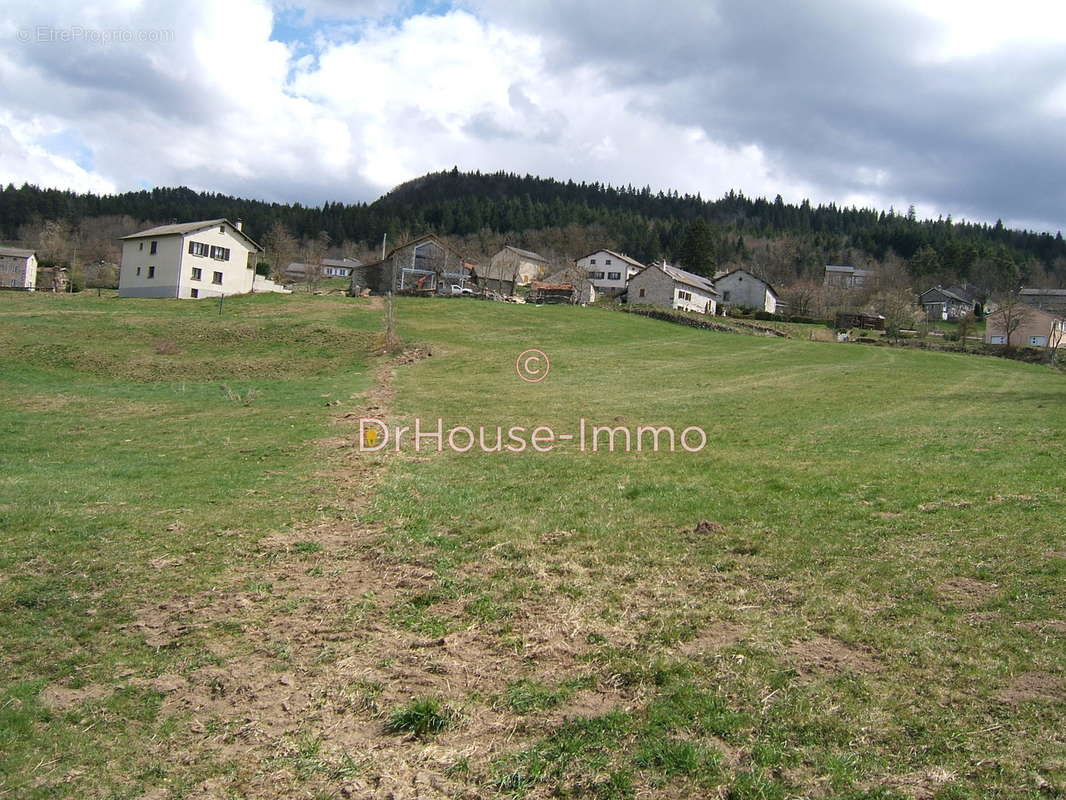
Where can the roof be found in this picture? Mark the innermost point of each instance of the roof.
(341, 262)
(552, 287)
(948, 293)
(769, 288)
(1043, 292)
(847, 269)
(687, 278)
(17, 252)
(1028, 311)
(181, 228)
(620, 256)
(526, 253)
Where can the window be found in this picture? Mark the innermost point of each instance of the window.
(198, 249)
(217, 278)
(221, 228)
(683, 295)
(194, 293)
(197, 273)
(220, 253)
(596, 276)
(614, 276)
(153, 248)
(140, 245)
(138, 270)
(997, 339)
(607, 262)
(641, 292)
(151, 272)
(1038, 341)
(725, 296)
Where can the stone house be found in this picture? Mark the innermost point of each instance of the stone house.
(746, 290)
(512, 267)
(667, 286)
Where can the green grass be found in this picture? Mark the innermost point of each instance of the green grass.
(850, 483)
(127, 474)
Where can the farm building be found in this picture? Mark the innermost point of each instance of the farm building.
(744, 289)
(422, 266)
(18, 269)
(667, 286)
(191, 260)
(1051, 300)
(846, 277)
(512, 267)
(1024, 326)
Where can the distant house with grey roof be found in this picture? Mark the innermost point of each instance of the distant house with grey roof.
(744, 289)
(18, 268)
(1052, 301)
(846, 277)
(945, 303)
(667, 286)
(512, 267)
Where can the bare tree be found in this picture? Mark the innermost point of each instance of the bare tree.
(967, 326)
(314, 251)
(1013, 313)
(281, 249)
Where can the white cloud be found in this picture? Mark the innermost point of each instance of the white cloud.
(825, 102)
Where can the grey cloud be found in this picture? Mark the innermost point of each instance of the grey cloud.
(831, 90)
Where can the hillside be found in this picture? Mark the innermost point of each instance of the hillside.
(787, 242)
(198, 560)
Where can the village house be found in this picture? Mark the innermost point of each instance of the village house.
(1032, 328)
(512, 267)
(209, 258)
(743, 289)
(18, 269)
(1051, 300)
(609, 271)
(327, 268)
(845, 277)
(671, 287)
(944, 304)
(422, 266)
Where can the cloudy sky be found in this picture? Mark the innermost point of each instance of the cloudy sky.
(956, 106)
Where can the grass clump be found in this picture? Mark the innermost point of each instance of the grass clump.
(421, 718)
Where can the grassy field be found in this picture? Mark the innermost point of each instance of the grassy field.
(855, 590)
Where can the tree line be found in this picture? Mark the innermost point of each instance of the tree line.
(783, 241)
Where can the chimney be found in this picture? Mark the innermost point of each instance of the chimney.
(239, 224)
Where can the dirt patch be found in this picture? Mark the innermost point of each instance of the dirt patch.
(712, 638)
(62, 698)
(921, 785)
(1046, 627)
(826, 656)
(1030, 686)
(705, 526)
(964, 592)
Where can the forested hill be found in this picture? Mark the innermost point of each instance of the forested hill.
(644, 223)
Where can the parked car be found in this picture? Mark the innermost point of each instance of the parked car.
(460, 291)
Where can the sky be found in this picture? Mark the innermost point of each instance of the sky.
(954, 106)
